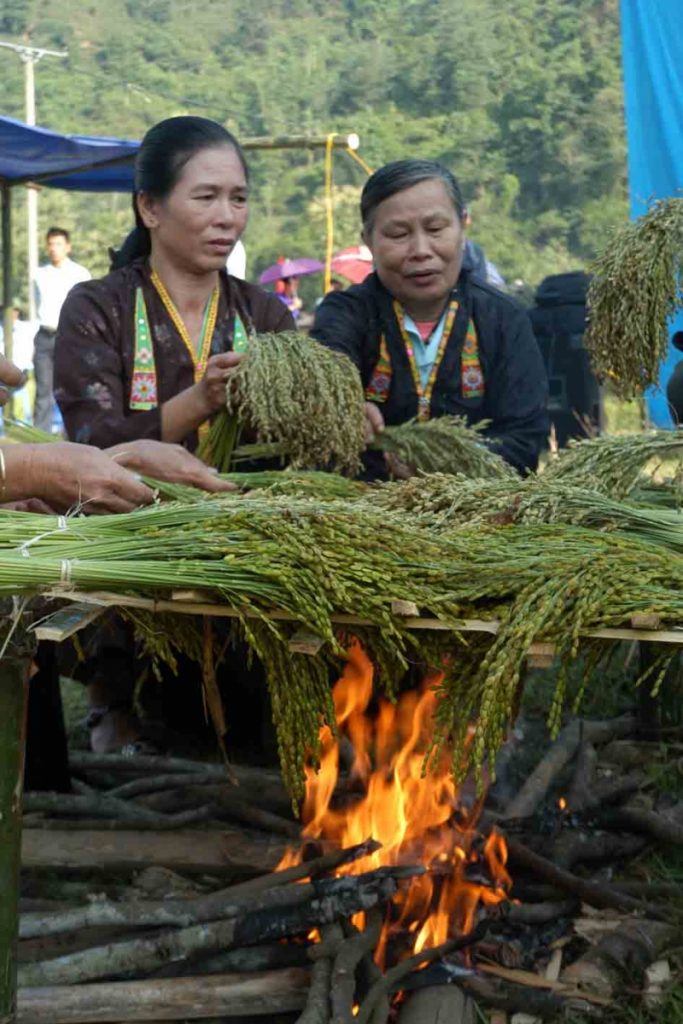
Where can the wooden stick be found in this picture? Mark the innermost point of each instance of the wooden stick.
(266, 994)
(314, 868)
(226, 803)
(596, 894)
(351, 952)
(13, 701)
(341, 897)
(561, 752)
(317, 1009)
(638, 819)
(540, 913)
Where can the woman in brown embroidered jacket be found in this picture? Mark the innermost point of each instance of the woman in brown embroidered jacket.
(145, 351)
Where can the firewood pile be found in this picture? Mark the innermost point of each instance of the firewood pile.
(156, 891)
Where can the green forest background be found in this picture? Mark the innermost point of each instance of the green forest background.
(522, 100)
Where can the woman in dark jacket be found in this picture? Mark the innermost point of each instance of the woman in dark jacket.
(429, 338)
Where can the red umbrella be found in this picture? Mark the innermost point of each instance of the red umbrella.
(353, 263)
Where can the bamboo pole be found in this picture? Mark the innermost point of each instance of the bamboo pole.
(13, 694)
(301, 142)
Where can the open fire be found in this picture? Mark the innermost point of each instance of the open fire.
(417, 819)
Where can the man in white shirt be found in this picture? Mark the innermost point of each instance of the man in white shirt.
(52, 283)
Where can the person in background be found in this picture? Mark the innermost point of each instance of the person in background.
(429, 337)
(475, 261)
(287, 291)
(236, 264)
(23, 336)
(52, 284)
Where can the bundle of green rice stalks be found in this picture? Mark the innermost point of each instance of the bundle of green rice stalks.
(635, 289)
(444, 445)
(316, 484)
(293, 392)
(325, 565)
(442, 500)
(614, 464)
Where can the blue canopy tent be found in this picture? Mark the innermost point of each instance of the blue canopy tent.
(80, 162)
(83, 163)
(652, 45)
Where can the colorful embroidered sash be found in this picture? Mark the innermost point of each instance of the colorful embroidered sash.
(471, 375)
(143, 392)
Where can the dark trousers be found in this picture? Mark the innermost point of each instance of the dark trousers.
(44, 364)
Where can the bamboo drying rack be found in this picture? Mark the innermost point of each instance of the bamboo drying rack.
(643, 628)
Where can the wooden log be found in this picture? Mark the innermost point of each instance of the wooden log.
(609, 791)
(262, 994)
(340, 897)
(511, 998)
(98, 806)
(541, 913)
(13, 702)
(621, 957)
(225, 852)
(148, 764)
(176, 791)
(343, 984)
(583, 781)
(160, 822)
(560, 753)
(267, 957)
(655, 824)
(314, 868)
(596, 894)
(650, 890)
(444, 1004)
(185, 912)
(225, 803)
(577, 847)
(317, 1008)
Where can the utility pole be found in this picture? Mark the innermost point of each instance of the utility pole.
(30, 55)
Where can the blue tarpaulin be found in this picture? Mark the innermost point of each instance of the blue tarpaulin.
(652, 44)
(80, 162)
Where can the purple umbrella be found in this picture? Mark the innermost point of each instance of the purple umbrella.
(290, 268)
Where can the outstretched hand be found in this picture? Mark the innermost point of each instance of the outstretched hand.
(66, 475)
(169, 462)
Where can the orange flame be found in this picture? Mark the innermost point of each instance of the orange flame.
(410, 813)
